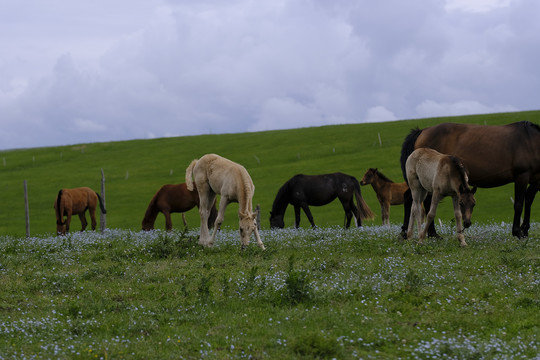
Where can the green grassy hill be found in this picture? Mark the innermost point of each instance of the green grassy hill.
(134, 170)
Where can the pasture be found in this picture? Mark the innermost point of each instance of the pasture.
(313, 293)
(324, 293)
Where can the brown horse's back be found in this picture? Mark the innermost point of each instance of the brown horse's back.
(490, 153)
(77, 199)
(82, 199)
(177, 198)
(398, 190)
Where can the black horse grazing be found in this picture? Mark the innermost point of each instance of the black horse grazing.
(493, 155)
(316, 190)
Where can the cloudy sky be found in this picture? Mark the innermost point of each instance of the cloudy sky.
(100, 70)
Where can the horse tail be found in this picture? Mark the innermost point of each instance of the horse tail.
(101, 206)
(59, 209)
(456, 161)
(189, 175)
(407, 148)
(363, 212)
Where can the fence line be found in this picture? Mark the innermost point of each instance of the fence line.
(102, 216)
(26, 209)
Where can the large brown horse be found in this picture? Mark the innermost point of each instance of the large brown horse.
(429, 171)
(172, 199)
(493, 155)
(388, 192)
(75, 202)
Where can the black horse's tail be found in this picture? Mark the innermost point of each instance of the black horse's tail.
(363, 212)
(101, 206)
(407, 148)
(59, 210)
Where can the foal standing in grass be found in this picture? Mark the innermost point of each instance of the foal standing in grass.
(214, 175)
(388, 192)
(429, 171)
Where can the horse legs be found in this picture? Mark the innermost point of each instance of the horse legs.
(206, 198)
(68, 220)
(529, 198)
(385, 212)
(258, 238)
(83, 221)
(305, 207)
(92, 212)
(520, 189)
(348, 211)
(416, 212)
(431, 232)
(223, 202)
(296, 216)
(435, 199)
(459, 220)
(168, 221)
(183, 219)
(407, 205)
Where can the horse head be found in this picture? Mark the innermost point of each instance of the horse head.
(147, 225)
(60, 228)
(248, 225)
(466, 204)
(276, 221)
(368, 177)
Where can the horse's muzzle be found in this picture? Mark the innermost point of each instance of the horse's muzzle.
(467, 223)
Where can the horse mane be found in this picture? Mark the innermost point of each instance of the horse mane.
(151, 211)
(381, 175)
(407, 148)
(527, 126)
(461, 169)
(58, 211)
(247, 185)
(281, 201)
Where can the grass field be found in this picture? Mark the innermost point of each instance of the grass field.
(134, 170)
(326, 293)
(313, 293)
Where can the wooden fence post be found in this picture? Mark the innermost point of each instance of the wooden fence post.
(26, 209)
(258, 211)
(103, 217)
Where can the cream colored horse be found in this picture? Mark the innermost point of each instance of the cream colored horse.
(429, 171)
(213, 175)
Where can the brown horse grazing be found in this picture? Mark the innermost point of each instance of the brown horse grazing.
(429, 171)
(213, 175)
(75, 202)
(173, 199)
(493, 155)
(388, 192)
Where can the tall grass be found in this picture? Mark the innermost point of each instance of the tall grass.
(271, 157)
(324, 293)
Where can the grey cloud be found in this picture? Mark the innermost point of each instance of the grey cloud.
(148, 69)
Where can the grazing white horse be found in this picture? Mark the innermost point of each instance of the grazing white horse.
(429, 171)
(213, 175)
